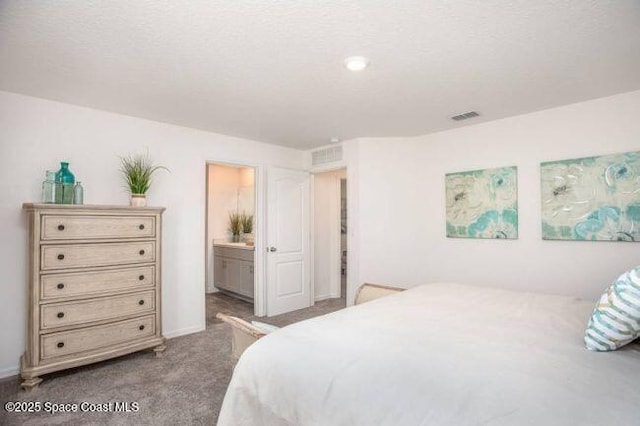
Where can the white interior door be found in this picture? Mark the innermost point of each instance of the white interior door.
(288, 247)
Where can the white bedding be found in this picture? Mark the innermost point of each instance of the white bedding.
(438, 354)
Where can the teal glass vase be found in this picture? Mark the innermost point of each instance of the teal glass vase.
(65, 181)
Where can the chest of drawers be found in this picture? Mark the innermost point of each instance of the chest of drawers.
(94, 286)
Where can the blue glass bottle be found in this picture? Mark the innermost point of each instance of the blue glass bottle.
(65, 181)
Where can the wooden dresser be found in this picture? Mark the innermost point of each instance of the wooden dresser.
(93, 285)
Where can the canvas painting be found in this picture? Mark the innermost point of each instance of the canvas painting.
(482, 204)
(592, 199)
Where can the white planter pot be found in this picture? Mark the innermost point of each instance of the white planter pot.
(248, 238)
(138, 200)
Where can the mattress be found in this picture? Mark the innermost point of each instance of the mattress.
(438, 354)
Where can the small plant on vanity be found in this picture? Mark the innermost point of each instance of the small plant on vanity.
(137, 171)
(235, 226)
(247, 223)
(247, 228)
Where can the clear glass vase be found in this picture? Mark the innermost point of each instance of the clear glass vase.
(49, 187)
(78, 193)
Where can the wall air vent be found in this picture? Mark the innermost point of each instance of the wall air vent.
(465, 116)
(326, 155)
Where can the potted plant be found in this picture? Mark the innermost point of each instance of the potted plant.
(137, 171)
(247, 228)
(235, 226)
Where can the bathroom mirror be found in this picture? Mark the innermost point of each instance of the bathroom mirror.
(246, 201)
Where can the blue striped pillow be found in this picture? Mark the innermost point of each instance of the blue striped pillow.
(615, 321)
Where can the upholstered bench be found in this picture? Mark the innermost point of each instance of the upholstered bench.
(369, 292)
(244, 333)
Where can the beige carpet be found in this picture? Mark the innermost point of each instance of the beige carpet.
(185, 387)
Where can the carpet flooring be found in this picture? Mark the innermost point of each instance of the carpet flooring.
(185, 387)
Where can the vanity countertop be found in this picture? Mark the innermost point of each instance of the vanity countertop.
(242, 246)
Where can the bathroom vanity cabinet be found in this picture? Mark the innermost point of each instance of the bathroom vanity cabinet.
(233, 269)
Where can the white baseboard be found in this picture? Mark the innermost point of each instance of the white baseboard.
(321, 298)
(184, 331)
(9, 371)
(325, 297)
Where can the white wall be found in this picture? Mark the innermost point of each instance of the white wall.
(401, 202)
(326, 243)
(35, 135)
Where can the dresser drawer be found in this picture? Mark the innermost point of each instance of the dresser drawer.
(57, 286)
(88, 227)
(82, 311)
(88, 255)
(89, 338)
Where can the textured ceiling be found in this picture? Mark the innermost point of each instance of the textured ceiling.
(272, 70)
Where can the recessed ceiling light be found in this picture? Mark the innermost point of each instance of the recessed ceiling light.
(335, 140)
(356, 63)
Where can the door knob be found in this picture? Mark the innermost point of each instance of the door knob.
(272, 249)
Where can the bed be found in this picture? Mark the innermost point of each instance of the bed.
(439, 354)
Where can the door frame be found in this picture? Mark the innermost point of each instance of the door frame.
(335, 261)
(259, 287)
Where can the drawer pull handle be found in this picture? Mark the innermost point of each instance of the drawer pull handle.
(61, 344)
(141, 327)
(61, 227)
(141, 252)
(60, 314)
(141, 302)
(251, 269)
(61, 257)
(141, 277)
(141, 227)
(60, 286)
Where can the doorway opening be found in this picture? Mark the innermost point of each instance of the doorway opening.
(230, 236)
(330, 236)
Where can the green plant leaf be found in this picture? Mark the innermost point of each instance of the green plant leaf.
(247, 223)
(137, 171)
(235, 223)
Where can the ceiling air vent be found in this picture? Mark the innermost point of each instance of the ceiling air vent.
(465, 116)
(327, 155)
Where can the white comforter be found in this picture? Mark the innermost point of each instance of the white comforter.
(438, 354)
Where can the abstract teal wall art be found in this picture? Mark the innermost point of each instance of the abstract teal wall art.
(482, 203)
(592, 199)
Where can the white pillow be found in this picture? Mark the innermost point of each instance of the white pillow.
(615, 321)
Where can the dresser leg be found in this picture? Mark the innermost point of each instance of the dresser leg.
(159, 350)
(31, 384)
